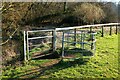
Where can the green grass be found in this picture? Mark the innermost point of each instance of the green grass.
(104, 64)
(40, 48)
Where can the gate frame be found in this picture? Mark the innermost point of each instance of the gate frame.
(26, 41)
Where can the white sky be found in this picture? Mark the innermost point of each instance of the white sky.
(111, 0)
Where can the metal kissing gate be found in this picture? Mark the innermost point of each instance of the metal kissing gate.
(50, 36)
(80, 39)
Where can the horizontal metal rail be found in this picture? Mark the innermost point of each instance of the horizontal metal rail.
(39, 44)
(40, 37)
(75, 27)
(86, 26)
(41, 30)
(82, 42)
(80, 33)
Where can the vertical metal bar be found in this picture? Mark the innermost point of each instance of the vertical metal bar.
(68, 37)
(90, 32)
(63, 45)
(54, 40)
(116, 30)
(94, 44)
(82, 40)
(102, 31)
(24, 46)
(75, 36)
(27, 46)
(110, 30)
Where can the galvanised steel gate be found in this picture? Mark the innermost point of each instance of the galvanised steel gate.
(27, 39)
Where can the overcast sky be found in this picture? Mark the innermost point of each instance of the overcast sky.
(111, 0)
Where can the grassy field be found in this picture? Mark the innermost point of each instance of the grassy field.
(104, 64)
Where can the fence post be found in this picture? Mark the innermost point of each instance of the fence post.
(102, 31)
(24, 46)
(90, 29)
(54, 40)
(116, 30)
(110, 30)
(75, 35)
(27, 46)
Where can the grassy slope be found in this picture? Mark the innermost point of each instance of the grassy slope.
(103, 64)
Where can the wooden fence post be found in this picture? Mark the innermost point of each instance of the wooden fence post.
(116, 30)
(102, 31)
(24, 46)
(54, 40)
(90, 29)
(75, 36)
(110, 30)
